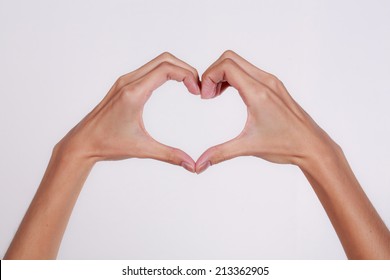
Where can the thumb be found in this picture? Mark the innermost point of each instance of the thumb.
(155, 150)
(222, 152)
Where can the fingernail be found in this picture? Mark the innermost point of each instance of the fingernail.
(208, 91)
(188, 166)
(197, 89)
(207, 96)
(204, 166)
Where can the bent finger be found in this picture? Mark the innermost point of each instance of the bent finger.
(266, 78)
(143, 70)
(227, 72)
(166, 71)
(219, 153)
(155, 150)
(262, 76)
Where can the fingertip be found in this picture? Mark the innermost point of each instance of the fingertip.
(158, 151)
(205, 96)
(192, 86)
(203, 162)
(208, 90)
(218, 154)
(188, 166)
(186, 160)
(203, 166)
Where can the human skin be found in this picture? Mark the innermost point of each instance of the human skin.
(279, 130)
(113, 130)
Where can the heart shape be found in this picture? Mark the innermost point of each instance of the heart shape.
(189, 117)
(274, 124)
(273, 128)
(207, 89)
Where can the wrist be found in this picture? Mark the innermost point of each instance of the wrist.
(66, 171)
(65, 153)
(322, 154)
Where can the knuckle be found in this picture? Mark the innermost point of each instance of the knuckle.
(126, 93)
(194, 72)
(121, 81)
(254, 86)
(228, 62)
(166, 56)
(228, 54)
(259, 93)
(272, 81)
(188, 74)
(165, 65)
(263, 95)
(130, 93)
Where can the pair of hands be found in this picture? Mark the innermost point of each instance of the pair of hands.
(277, 128)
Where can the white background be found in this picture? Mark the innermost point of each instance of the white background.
(113, 269)
(59, 58)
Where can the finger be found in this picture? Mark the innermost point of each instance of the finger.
(155, 150)
(227, 72)
(262, 76)
(164, 57)
(166, 71)
(221, 88)
(137, 74)
(256, 73)
(220, 153)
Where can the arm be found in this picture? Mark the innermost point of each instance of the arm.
(114, 130)
(280, 131)
(359, 227)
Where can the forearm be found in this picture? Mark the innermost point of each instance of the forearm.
(359, 227)
(41, 231)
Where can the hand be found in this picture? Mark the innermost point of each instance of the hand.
(277, 128)
(115, 130)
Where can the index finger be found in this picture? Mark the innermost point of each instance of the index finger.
(143, 70)
(227, 71)
(166, 71)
